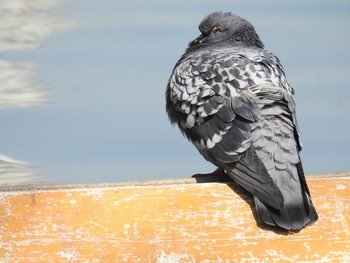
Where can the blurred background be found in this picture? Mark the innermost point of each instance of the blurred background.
(82, 85)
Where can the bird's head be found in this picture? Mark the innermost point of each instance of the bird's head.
(221, 28)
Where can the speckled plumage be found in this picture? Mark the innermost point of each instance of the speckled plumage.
(231, 99)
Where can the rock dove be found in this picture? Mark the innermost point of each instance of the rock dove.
(230, 98)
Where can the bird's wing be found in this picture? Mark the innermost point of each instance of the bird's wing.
(209, 96)
(276, 136)
(276, 141)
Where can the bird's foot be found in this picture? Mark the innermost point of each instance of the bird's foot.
(219, 175)
(217, 172)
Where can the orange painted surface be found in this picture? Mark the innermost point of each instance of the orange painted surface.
(178, 222)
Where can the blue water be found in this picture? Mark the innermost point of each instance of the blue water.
(104, 119)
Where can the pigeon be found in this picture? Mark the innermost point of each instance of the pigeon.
(231, 99)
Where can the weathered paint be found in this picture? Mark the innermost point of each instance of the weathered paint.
(170, 221)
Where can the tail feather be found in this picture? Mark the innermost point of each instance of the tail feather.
(289, 217)
(282, 197)
(297, 211)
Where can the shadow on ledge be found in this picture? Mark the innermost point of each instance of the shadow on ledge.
(246, 196)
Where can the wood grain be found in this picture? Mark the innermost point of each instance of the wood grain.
(165, 221)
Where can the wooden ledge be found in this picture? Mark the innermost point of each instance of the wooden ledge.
(177, 220)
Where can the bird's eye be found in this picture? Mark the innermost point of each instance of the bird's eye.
(216, 30)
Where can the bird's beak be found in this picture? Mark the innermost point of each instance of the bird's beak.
(197, 41)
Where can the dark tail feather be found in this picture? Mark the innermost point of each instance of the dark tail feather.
(289, 217)
(297, 211)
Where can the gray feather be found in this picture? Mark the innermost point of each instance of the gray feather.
(231, 99)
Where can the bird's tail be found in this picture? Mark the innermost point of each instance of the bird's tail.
(297, 211)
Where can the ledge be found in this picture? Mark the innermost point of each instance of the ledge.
(179, 220)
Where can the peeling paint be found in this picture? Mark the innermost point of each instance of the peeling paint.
(341, 187)
(203, 223)
(173, 258)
